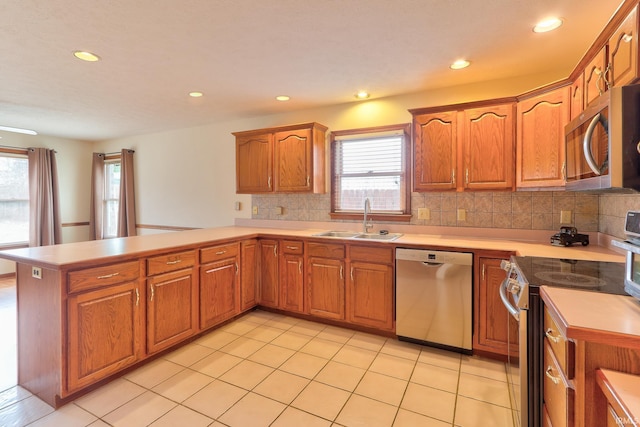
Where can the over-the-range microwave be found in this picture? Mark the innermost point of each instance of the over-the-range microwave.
(603, 143)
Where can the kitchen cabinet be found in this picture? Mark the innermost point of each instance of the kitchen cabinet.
(595, 83)
(286, 159)
(465, 147)
(172, 299)
(623, 51)
(620, 391)
(540, 151)
(559, 366)
(292, 276)
(269, 280)
(369, 296)
(577, 97)
(495, 330)
(105, 333)
(219, 284)
(325, 289)
(435, 151)
(249, 278)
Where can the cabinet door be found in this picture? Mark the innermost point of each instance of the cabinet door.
(577, 96)
(291, 283)
(496, 330)
(172, 308)
(594, 79)
(293, 160)
(269, 288)
(489, 147)
(370, 295)
(219, 292)
(254, 164)
(325, 290)
(623, 51)
(249, 274)
(540, 139)
(435, 151)
(105, 333)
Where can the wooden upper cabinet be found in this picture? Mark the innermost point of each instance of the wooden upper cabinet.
(254, 163)
(435, 151)
(623, 51)
(286, 159)
(540, 150)
(594, 79)
(577, 97)
(488, 145)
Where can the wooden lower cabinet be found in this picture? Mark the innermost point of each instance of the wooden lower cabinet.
(172, 308)
(249, 274)
(219, 291)
(370, 295)
(325, 290)
(269, 289)
(495, 330)
(105, 333)
(292, 283)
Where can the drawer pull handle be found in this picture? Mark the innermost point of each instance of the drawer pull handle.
(556, 380)
(549, 334)
(221, 252)
(293, 248)
(108, 276)
(174, 262)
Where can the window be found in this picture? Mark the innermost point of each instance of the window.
(111, 196)
(14, 197)
(370, 163)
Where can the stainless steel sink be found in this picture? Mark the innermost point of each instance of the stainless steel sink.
(340, 234)
(377, 236)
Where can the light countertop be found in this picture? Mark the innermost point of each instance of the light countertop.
(58, 256)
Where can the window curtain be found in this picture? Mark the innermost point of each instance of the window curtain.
(96, 211)
(45, 227)
(127, 207)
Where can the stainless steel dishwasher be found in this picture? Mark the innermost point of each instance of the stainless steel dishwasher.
(433, 298)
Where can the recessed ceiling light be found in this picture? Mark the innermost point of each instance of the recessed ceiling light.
(282, 98)
(548, 24)
(18, 130)
(86, 56)
(459, 64)
(195, 94)
(363, 94)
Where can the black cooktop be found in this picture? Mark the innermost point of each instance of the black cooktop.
(596, 276)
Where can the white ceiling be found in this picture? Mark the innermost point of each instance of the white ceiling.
(242, 53)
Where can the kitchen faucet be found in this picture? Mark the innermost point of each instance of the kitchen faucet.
(367, 210)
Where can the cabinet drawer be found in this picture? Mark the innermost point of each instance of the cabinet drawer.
(170, 262)
(371, 254)
(562, 349)
(294, 247)
(216, 253)
(558, 396)
(103, 276)
(326, 250)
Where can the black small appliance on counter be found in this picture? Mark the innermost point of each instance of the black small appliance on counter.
(568, 236)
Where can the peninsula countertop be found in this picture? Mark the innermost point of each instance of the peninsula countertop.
(88, 252)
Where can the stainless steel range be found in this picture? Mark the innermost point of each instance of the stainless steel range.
(520, 295)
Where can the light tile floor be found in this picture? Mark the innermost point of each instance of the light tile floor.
(266, 369)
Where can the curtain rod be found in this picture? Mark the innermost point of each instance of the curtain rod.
(117, 152)
(22, 148)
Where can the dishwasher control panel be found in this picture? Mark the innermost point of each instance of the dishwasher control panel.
(436, 257)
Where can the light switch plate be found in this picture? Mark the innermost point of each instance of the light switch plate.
(254, 210)
(462, 215)
(424, 213)
(565, 217)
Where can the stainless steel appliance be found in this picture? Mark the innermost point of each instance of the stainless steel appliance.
(520, 293)
(602, 143)
(433, 298)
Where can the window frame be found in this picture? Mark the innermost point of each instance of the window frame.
(405, 216)
(19, 153)
(109, 160)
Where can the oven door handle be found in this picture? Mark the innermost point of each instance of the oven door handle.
(505, 300)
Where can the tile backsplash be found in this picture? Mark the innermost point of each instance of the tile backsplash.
(528, 210)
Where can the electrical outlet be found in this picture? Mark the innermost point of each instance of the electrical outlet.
(565, 217)
(36, 272)
(254, 210)
(278, 210)
(462, 215)
(424, 213)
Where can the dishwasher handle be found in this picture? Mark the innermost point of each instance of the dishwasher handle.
(505, 300)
